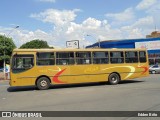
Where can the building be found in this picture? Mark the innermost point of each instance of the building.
(154, 34)
(151, 44)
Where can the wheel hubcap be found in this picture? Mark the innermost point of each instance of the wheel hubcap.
(43, 83)
(114, 79)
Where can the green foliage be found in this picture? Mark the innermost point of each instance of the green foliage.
(8, 45)
(35, 44)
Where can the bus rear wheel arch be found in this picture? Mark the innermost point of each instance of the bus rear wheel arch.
(114, 78)
(43, 83)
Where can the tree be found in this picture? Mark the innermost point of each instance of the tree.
(7, 45)
(35, 44)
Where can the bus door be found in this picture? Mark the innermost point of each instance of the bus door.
(22, 68)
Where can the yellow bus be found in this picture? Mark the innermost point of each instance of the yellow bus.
(45, 67)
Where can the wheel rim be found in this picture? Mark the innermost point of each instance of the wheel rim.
(114, 79)
(43, 83)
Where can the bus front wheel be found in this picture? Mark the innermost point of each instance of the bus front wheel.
(43, 83)
(113, 78)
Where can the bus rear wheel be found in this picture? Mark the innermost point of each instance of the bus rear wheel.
(43, 83)
(113, 79)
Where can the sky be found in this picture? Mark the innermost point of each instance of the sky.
(58, 21)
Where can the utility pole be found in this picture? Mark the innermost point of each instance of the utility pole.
(4, 61)
(99, 42)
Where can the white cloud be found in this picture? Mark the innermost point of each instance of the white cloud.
(126, 15)
(145, 4)
(73, 27)
(92, 23)
(57, 17)
(129, 32)
(26, 36)
(154, 12)
(139, 29)
(96, 28)
(72, 31)
(146, 22)
(51, 1)
(21, 36)
(65, 28)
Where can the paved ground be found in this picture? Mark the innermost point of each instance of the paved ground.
(135, 95)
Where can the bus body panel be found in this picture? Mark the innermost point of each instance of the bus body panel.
(68, 74)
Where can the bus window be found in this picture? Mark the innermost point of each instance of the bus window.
(131, 57)
(142, 56)
(116, 57)
(100, 57)
(22, 62)
(65, 58)
(45, 58)
(83, 57)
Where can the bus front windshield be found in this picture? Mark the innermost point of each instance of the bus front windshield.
(22, 61)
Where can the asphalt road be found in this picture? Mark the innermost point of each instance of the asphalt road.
(134, 95)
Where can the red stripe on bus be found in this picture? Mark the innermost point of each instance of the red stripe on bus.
(55, 78)
(145, 69)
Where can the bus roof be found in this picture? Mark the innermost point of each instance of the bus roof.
(65, 49)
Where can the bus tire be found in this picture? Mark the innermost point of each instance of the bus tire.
(113, 78)
(43, 83)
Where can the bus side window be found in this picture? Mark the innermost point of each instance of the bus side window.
(142, 56)
(65, 58)
(100, 58)
(83, 57)
(131, 57)
(116, 57)
(45, 58)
